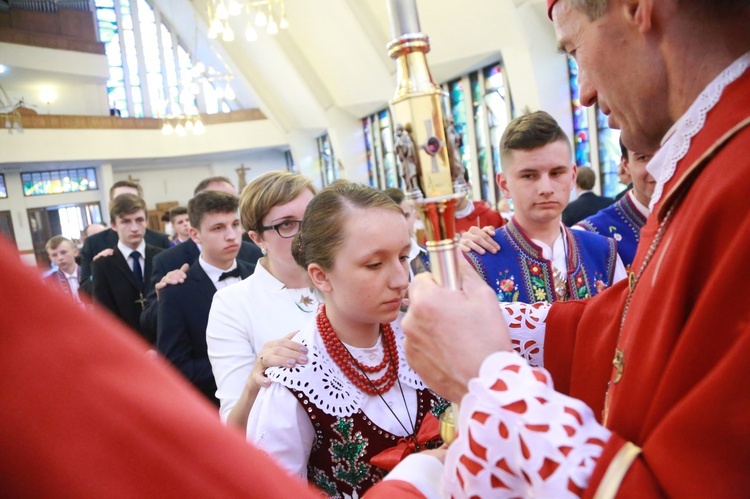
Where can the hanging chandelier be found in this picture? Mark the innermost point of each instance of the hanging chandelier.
(267, 12)
(183, 123)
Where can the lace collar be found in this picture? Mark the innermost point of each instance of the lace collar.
(677, 140)
(324, 384)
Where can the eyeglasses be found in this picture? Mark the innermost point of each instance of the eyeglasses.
(286, 229)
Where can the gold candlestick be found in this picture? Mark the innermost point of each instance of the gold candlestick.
(426, 147)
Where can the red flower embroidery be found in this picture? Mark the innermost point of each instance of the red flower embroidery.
(507, 285)
(535, 269)
(600, 286)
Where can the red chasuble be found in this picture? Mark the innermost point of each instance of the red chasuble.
(86, 413)
(683, 396)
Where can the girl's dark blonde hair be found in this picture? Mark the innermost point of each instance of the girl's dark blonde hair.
(322, 230)
(265, 192)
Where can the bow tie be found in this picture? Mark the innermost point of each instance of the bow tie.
(231, 273)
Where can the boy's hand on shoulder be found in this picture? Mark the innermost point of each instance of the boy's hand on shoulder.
(172, 277)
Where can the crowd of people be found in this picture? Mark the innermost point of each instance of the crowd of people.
(601, 359)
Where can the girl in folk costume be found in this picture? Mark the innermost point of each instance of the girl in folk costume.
(356, 408)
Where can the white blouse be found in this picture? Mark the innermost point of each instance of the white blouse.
(278, 422)
(243, 318)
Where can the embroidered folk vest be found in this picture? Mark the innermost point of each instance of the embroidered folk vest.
(519, 272)
(339, 463)
(345, 438)
(621, 221)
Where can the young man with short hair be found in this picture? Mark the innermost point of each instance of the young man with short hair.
(183, 308)
(119, 281)
(170, 266)
(98, 245)
(178, 217)
(62, 252)
(623, 220)
(538, 258)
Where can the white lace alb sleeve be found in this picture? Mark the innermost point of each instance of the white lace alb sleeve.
(527, 324)
(518, 437)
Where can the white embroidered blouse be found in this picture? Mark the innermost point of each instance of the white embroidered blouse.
(278, 422)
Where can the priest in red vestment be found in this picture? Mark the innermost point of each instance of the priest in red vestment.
(650, 393)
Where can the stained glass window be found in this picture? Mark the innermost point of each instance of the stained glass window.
(3, 189)
(58, 181)
(392, 175)
(458, 110)
(496, 100)
(609, 155)
(290, 165)
(372, 173)
(580, 119)
(328, 168)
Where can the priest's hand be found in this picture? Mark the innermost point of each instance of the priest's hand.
(479, 240)
(449, 333)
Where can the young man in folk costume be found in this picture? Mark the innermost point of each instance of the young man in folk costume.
(623, 220)
(650, 393)
(538, 259)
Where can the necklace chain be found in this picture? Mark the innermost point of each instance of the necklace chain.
(335, 348)
(634, 279)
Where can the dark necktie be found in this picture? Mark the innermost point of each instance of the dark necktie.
(231, 273)
(137, 270)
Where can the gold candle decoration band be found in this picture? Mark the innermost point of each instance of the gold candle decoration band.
(426, 147)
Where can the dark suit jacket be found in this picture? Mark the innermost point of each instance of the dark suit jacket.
(108, 239)
(173, 259)
(586, 205)
(182, 321)
(115, 287)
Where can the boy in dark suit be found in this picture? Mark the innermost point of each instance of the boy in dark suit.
(119, 280)
(183, 308)
(99, 244)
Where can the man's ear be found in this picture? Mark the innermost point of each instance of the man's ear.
(113, 226)
(195, 235)
(319, 278)
(502, 182)
(640, 12)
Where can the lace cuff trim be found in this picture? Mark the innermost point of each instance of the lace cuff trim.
(527, 324)
(518, 437)
(325, 385)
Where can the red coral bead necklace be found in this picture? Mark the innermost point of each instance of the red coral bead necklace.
(356, 370)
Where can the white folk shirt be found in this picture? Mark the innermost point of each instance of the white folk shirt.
(279, 425)
(243, 318)
(557, 255)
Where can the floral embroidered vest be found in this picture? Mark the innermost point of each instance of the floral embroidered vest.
(345, 437)
(339, 463)
(519, 272)
(621, 221)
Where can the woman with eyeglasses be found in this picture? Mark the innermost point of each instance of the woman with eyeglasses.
(251, 323)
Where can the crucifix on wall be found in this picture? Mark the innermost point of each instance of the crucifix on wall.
(241, 180)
